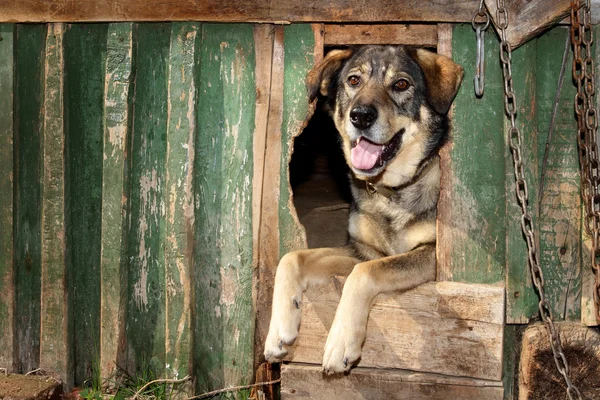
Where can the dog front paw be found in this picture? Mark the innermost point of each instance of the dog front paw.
(343, 347)
(283, 332)
(285, 321)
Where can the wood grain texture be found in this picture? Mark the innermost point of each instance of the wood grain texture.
(444, 206)
(224, 326)
(84, 65)
(29, 65)
(54, 327)
(267, 155)
(588, 308)
(145, 324)
(7, 285)
(409, 34)
(308, 382)
(521, 298)
(560, 207)
(471, 226)
(445, 327)
(116, 122)
(179, 244)
(538, 376)
(236, 11)
(528, 19)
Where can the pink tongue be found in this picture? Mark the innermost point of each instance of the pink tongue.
(365, 154)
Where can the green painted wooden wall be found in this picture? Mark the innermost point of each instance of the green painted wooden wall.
(126, 174)
(125, 199)
(493, 249)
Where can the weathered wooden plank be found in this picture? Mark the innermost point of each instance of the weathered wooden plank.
(308, 382)
(223, 172)
(408, 34)
(299, 53)
(7, 288)
(145, 244)
(54, 324)
(444, 207)
(445, 327)
(521, 299)
(29, 64)
(529, 18)
(236, 11)
(116, 119)
(267, 153)
(510, 367)
(538, 376)
(560, 206)
(588, 308)
(179, 242)
(84, 60)
(471, 224)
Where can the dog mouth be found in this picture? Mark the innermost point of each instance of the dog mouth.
(367, 156)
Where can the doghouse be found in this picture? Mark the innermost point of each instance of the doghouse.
(157, 159)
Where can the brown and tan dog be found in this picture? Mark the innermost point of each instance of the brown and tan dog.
(390, 106)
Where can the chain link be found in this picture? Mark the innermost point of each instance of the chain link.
(480, 23)
(587, 125)
(515, 141)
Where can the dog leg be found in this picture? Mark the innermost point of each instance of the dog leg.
(295, 272)
(365, 282)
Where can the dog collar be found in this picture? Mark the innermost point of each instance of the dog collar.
(385, 191)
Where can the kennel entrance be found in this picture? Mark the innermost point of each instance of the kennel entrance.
(470, 364)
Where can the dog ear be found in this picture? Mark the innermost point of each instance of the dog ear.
(442, 77)
(319, 78)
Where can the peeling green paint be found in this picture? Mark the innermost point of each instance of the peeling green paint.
(224, 329)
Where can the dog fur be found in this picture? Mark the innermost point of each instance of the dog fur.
(390, 106)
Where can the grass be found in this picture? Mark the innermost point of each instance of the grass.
(125, 386)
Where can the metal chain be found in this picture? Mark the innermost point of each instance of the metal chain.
(587, 125)
(515, 141)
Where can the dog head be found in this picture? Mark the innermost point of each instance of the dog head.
(389, 104)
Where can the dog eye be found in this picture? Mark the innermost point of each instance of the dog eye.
(401, 85)
(354, 80)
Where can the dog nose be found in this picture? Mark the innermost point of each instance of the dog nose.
(363, 116)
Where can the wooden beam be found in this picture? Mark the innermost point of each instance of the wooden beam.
(538, 375)
(54, 326)
(529, 18)
(30, 50)
(268, 42)
(306, 382)
(114, 194)
(7, 284)
(560, 204)
(521, 301)
(417, 35)
(444, 206)
(588, 306)
(84, 71)
(224, 327)
(442, 327)
(179, 218)
(146, 284)
(236, 11)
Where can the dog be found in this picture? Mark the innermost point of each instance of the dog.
(390, 106)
